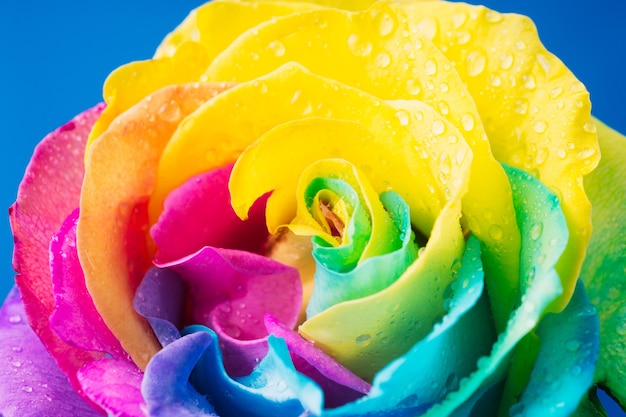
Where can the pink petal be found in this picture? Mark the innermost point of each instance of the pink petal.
(199, 214)
(49, 191)
(75, 318)
(115, 385)
(31, 384)
(340, 386)
(231, 291)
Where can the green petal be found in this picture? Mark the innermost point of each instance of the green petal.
(436, 364)
(544, 236)
(564, 367)
(604, 269)
(374, 274)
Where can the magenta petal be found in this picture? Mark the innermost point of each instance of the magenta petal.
(31, 384)
(115, 385)
(75, 318)
(49, 191)
(199, 214)
(231, 291)
(340, 386)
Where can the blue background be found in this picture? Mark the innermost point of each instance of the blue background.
(54, 57)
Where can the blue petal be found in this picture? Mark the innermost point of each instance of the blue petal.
(274, 388)
(166, 387)
(434, 366)
(564, 368)
(160, 299)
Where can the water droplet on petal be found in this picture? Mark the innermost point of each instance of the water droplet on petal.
(590, 127)
(428, 27)
(521, 106)
(536, 231)
(363, 340)
(430, 67)
(540, 126)
(495, 232)
(277, 48)
(506, 61)
(438, 127)
(170, 111)
(572, 345)
(27, 388)
(15, 319)
(467, 120)
(383, 60)
(413, 87)
(358, 46)
(403, 117)
(463, 37)
(493, 17)
(476, 61)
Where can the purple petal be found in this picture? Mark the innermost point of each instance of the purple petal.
(199, 214)
(31, 383)
(340, 386)
(49, 191)
(115, 385)
(231, 291)
(166, 386)
(75, 318)
(160, 298)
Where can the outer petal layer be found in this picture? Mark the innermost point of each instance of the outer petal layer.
(32, 383)
(49, 191)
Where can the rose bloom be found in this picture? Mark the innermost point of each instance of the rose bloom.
(298, 209)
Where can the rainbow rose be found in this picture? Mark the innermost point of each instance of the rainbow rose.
(324, 209)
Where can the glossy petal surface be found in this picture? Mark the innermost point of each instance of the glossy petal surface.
(199, 214)
(273, 388)
(604, 270)
(75, 318)
(563, 370)
(231, 291)
(544, 233)
(49, 191)
(111, 234)
(166, 387)
(32, 383)
(115, 385)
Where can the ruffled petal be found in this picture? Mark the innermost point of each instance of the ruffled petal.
(31, 382)
(199, 214)
(231, 291)
(166, 387)
(111, 233)
(161, 299)
(563, 370)
(49, 191)
(75, 318)
(435, 366)
(338, 383)
(274, 388)
(544, 233)
(604, 270)
(115, 385)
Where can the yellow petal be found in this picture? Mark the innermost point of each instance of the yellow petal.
(535, 112)
(119, 174)
(384, 52)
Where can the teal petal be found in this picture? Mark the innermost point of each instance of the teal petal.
(274, 388)
(563, 370)
(435, 365)
(333, 284)
(544, 236)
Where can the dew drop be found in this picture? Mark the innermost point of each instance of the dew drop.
(536, 231)
(444, 88)
(444, 108)
(585, 153)
(476, 62)
(493, 17)
(277, 48)
(495, 80)
(438, 127)
(576, 370)
(506, 61)
(463, 37)
(170, 111)
(540, 126)
(358, 46)
(413, 87)
(467, 120)
(495, 232)
(521, 106)
(27, 388)
(590, 127)
(541, 156)
(403, 117)
(428, 27)
(15, 319)
(386, 24)
(520, 45)
(556, 92)
(529, 81)
(544, 63)
(430, 67)
(572, 345)
(363, 340)
(383, 60)
(17, 364)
